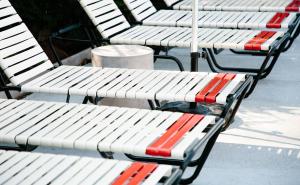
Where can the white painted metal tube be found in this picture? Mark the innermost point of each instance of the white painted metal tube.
(194, 47)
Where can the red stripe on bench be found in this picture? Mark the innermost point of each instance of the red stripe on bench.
(293, 6)
(276, 21)
(200, 97)
(143, 174)
(212, 96)
(258, 40)
(135, 174)
(163, 146)
(166, 149)
(153, 148)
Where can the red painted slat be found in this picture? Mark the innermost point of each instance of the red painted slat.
(143, 174)
(276, 21)
(128, 173)
(293, 6)
(258, 40)
(200, 97)
(153, 149)
(212, 96)
(166, 149)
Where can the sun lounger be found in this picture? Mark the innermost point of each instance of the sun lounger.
(144, 135)
(28, 168)
(28, 68)
(144, 12)
(115, 29)
(239, 5)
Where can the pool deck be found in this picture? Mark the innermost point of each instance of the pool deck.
(262, 146)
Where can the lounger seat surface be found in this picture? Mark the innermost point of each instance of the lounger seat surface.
(110, 22)
(138, 84)
(23, 60)
(208, 38)
(37, 168)
(144, 11)
(101, 128)
(239, 5)
(242, 20)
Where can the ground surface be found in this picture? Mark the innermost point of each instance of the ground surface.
(262, 146)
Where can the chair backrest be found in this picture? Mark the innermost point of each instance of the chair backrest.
(170, 2)
(106, 16)
(21, 57)
(140, 9)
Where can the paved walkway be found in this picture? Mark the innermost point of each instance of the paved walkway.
(262, 146)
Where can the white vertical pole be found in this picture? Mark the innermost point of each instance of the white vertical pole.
(194, 44)
(195, 27)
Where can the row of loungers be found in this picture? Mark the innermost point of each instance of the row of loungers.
(142, 135)
(238, 5)
(144, 12)
(115, 29)
(160, 137)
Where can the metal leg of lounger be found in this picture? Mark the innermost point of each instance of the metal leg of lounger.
(199, 163)
(235, 101)
(3, 87)
(294, 31)
(267, 65)
(209, 140)
(169, 57)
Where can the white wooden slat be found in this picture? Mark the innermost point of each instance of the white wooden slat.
(85, 172)
(52, 136)
(89, 140)
(99, 172)
(123, 144)
(103, 80)
(140, 148)
(10, 20)
(16, 168)
(7, 11)
(26, 172)
(32, 124)
(160, 172)
(109, 177)
(104, 141)
(57, 170)
(190, 96)
(222, 97)
(32, 136)
(193, 136)
(12, 161)
(22, 124)
(72, 171)
(6, 156)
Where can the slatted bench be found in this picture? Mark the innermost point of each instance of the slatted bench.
(114, 28)
(156, 136)
(27, 168)
(28, 69)
(144, 12)
(239, 5)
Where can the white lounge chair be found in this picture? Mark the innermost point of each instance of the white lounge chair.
(28, 68)
(239, 5)
(144, 135)
(28, 168)
(144, 12)
(114, 28)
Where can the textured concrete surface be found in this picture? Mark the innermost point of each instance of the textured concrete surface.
(262, 146)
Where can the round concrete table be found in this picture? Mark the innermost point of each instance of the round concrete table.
(123, 56)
